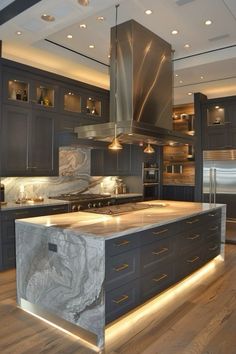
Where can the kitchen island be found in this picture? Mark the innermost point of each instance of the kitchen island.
(83, 270)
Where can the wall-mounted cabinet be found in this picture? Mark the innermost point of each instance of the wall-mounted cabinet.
(219, 124)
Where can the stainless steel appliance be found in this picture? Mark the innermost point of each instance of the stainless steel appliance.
(79, 201)
(219, 184)
(150, 178)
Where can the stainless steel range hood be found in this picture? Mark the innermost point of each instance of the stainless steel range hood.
(142, 70)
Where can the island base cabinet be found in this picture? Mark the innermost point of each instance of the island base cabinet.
(188, 263)
(121, 300)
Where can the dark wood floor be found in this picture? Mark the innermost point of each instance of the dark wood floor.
(204, 324)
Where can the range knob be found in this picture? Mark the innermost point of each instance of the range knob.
(94, 205)
(90, 205)
(75, 208)
(100, 204)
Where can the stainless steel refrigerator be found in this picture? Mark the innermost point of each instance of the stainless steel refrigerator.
(219, 184)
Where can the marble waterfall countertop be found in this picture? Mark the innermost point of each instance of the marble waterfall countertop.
(108, 226)
(31, 204)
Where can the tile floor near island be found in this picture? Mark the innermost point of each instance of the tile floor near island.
(203, 324)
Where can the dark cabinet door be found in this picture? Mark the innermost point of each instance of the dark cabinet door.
(231, 119)
(15, 140)
(181, 193)
(44, 151)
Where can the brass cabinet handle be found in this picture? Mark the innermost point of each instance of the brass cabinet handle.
(213, 248)
(214, 228)
(122, 299)
(193, 259)
(163, 250)
(121, 267)
(212, 214)
(193, 237)
(160, 232)
(192, 222)
(122, 243)
(163, 276)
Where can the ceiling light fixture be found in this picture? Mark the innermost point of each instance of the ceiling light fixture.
(83, 2)
(83, 25)
(115, 144)
(180, 81)
(149, 149)
(189, 93)
(201, 77)
(208, 22)
(69, 36)
(100, 18)
(174, 32)
(148, 12)
(91, 46)
(176, 75)
(187, 45)
(19, 33)
(48, 18)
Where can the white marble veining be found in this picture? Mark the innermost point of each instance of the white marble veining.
(107, 226)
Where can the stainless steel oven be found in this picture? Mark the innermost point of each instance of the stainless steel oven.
(150, 178)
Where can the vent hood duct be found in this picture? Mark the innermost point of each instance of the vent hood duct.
(143, 75)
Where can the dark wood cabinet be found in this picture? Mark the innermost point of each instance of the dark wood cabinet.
(141, 265)
(7, 229)
(181, 193)
(28, 139)
(125, 162)
(219, 124)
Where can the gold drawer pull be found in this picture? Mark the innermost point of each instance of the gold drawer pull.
(193, 237)
(121, 267)
(192, 222)
(122, 299)
(122, 243)
(160, 232)
(213, 248)
(193, 260)
(214, 228)
(163, 250)
(163, 276)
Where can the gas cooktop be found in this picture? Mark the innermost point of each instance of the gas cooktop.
(116, 210)
(81, 196)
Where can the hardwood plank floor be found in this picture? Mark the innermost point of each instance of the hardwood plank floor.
(204, 324)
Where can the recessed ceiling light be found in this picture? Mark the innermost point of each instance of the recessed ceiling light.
(187, 45)
(100, 18)
(48, 18)
(217, 107)
(180, 81)
(83, 25)
(109, 55)
(19, 33)
(190, 93)
(148, 12)
(83, 2)
(176, 75)
(175, 32)
(208, 22)
(91, 46)
(201, 77)
(69, 36)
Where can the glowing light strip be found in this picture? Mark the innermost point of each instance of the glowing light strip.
(83, 341)
(124, 325)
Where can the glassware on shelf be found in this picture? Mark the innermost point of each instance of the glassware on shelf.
(93, 107)
(18, 90)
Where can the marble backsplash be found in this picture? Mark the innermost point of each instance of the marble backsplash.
(74, 176)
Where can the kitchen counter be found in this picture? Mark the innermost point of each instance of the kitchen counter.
(30, 204)
(64, 262)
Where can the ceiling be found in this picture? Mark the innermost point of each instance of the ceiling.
(207, 66)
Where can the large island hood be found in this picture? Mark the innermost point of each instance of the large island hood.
(140, 90)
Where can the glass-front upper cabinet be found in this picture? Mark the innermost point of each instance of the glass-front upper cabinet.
(45, 95)
(215, 115)
(72, 102)
(93, 107)
(18, 90)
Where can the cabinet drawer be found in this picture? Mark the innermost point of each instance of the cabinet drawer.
(189, 240)
(213, 231)
(121, 300)
(122, 269)
(212, 215)
(212, 250)
(188, 263)
(122, 244)
(160, 232)
(157, 281)
(154, 253)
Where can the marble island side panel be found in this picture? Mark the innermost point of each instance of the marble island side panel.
(63, 275)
